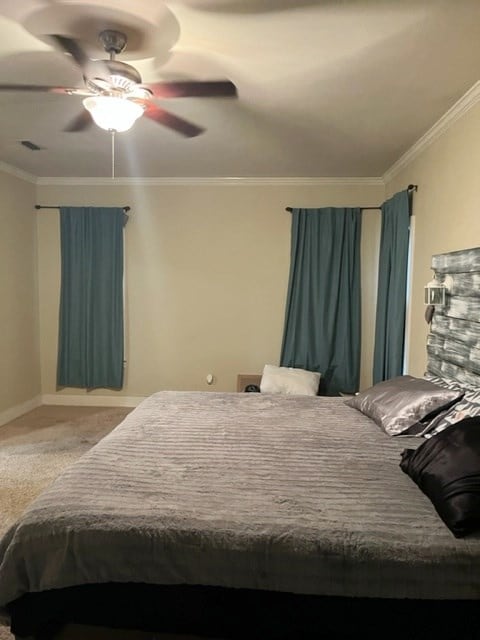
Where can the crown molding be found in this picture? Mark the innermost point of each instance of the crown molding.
(459, 109)
(192, 181)
(18, 173)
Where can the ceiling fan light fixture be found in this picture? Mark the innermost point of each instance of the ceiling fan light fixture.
(113, 113)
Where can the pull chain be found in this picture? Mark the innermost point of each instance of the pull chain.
(112, 131)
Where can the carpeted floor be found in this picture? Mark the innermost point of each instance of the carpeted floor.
(36, 447)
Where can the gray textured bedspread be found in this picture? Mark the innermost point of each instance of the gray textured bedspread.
(289, 493)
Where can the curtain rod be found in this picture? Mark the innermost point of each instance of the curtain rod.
(411, 187)
(44, 206)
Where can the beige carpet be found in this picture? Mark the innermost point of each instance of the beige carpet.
(35, 448)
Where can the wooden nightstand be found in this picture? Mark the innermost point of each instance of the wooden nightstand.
(247, 378)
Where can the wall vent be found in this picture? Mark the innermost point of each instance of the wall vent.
(30, 145)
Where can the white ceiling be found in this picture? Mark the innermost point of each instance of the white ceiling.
(331, 88)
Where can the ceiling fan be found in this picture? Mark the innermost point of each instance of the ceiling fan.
(114, 94)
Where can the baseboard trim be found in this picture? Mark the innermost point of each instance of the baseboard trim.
(19, 410)
(91, 400)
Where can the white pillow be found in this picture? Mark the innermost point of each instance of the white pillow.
(289, 380)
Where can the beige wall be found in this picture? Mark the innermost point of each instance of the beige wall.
(446, 210)
(206, 277)
(19, 354)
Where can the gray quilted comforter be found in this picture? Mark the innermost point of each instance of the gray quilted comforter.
(289, 493)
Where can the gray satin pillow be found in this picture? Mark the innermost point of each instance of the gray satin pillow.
(398, 405)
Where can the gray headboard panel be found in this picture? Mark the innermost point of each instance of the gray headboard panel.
(453, 345)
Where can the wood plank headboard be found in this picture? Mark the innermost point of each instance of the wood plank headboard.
(453, 345)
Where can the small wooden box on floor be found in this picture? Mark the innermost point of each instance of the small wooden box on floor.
(243, 379)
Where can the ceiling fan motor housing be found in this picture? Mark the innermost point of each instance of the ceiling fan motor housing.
(112, 75)
(103, 75)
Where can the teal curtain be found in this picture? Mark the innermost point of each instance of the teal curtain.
(392, 288)
(323, 312)
(90, 351)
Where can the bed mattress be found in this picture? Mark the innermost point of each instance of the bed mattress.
(256, 491)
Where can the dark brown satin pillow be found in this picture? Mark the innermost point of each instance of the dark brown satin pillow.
(447, 469)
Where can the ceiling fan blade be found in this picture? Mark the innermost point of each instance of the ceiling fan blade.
(193, 89)
(38, 88)
(172, 122)
(73, 48)
(80, 122)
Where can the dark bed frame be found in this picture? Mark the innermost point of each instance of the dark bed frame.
(241, 614)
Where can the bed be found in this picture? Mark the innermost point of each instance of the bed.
(243, 515)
